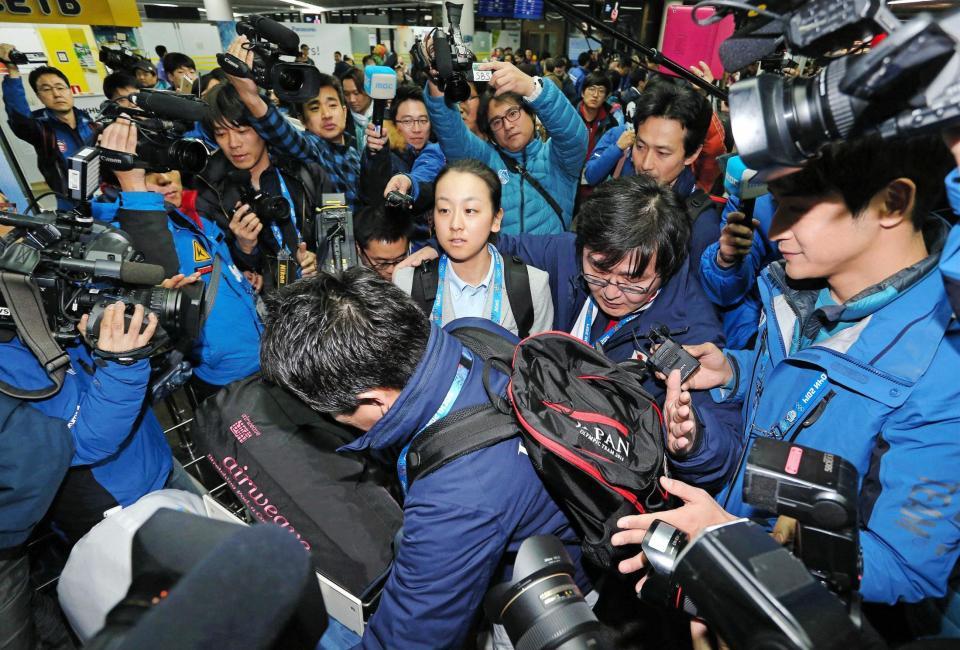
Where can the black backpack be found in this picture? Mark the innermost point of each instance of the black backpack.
(515, 277)
(593, 434)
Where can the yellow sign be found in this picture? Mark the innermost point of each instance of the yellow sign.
(200, 253)
(122, 13)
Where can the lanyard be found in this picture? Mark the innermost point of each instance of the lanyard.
(452, 394)
(293, 216)
(592, 309)
(436, 314)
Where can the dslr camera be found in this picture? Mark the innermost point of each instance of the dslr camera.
(161, 118)
(807, 599)
(448, 60)
(906, 85)
(269, 40)
(121, 59)
(58, 266)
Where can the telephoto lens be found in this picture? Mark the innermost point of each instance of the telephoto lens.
(542, 607)
(179, 311)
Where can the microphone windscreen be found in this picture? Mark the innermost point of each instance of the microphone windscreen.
(287, 39)
(139, 273)
(244, 591)
(170, 105)
(380, 82)
(732, 176)
(742, 49)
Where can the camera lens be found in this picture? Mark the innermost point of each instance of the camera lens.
(188, 155)
(457, 89)
(542, 608)
(795, 117)
(271, 208)
(290, 80)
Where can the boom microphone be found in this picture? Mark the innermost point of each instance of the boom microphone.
(739, 51)
(128, 272)
(170, 105)
(285, 38)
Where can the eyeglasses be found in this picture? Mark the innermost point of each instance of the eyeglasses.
(52, 89)
(625, 289)
(595, 90)
(408, 122)
(380, 265)
(511, 116)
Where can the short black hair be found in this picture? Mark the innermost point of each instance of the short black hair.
(596, 79)
(217, 74)
(319, 326)
(226, 108)
(160, 50)
(506, 98)
(680, 103)
(635, 217)
(117, 80)
(356, 74)
(481, 171)
(324, 81)
(583, 59)
(406, 93)
(858, 169)
(174, 60)
(381, 223)
(549, 65)
(368, 58)
(36, 73)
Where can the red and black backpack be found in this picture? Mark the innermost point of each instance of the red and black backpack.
(593, 434)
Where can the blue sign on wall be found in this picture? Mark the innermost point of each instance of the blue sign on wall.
(528, 9)
(495, 8)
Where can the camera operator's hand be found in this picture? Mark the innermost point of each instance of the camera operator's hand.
(307, 261)
(399, 183)
(246, 88)
(508, 78)
(113, 335)
(180, 280)
(255, 280)
(626, 139)
(121, 136)
(245, 227)
(12, 69)
(679, 417)
(714, 370)
(702, 70)
(425, 254)
(698, 511)
(375, 142)
(736, 238)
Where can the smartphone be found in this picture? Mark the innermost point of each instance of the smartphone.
(186, 85)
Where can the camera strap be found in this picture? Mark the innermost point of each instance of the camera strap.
(26, 308)
(285, 193)
(516, 168)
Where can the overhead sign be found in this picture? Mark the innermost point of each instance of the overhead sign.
(74, 12)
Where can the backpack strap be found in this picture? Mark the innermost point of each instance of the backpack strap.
(425, 282)
(697, 203)
(515, 168)
(517, 279)
(460, 433)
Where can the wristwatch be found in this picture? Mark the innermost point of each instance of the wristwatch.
(537, 89)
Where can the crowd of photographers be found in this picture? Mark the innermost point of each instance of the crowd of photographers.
(819, 315)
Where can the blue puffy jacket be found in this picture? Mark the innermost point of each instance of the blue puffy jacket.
(36, 450)
(228, 348)
(555, 163)
(890, 405)
(734, 289)
(681, 303)
(603, 161)
(115, 434)
(460, 523)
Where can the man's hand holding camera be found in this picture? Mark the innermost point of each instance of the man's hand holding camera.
(115, 336)
(12, 70)
(245, 227)
(509, 78)
(246, 88)
(121, 136)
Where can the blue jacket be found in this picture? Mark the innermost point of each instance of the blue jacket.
(426, 167)
(53, 140)
(461, 522)
(950, 260)
(228, 348)
(36, 450)
(893, 411)
(680, 303)
(115, 434)
(605, 157)
(734, 290)
(555, 163)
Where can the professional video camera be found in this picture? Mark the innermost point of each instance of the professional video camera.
(55, 267)
(121, 59)
(542, 607)
(779, 600)
(447, 58)
(161, 118)
(269, 40)
(905, 85)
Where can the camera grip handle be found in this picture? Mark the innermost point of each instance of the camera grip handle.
(234, 66)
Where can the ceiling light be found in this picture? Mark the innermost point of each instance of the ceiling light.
(306, 5)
